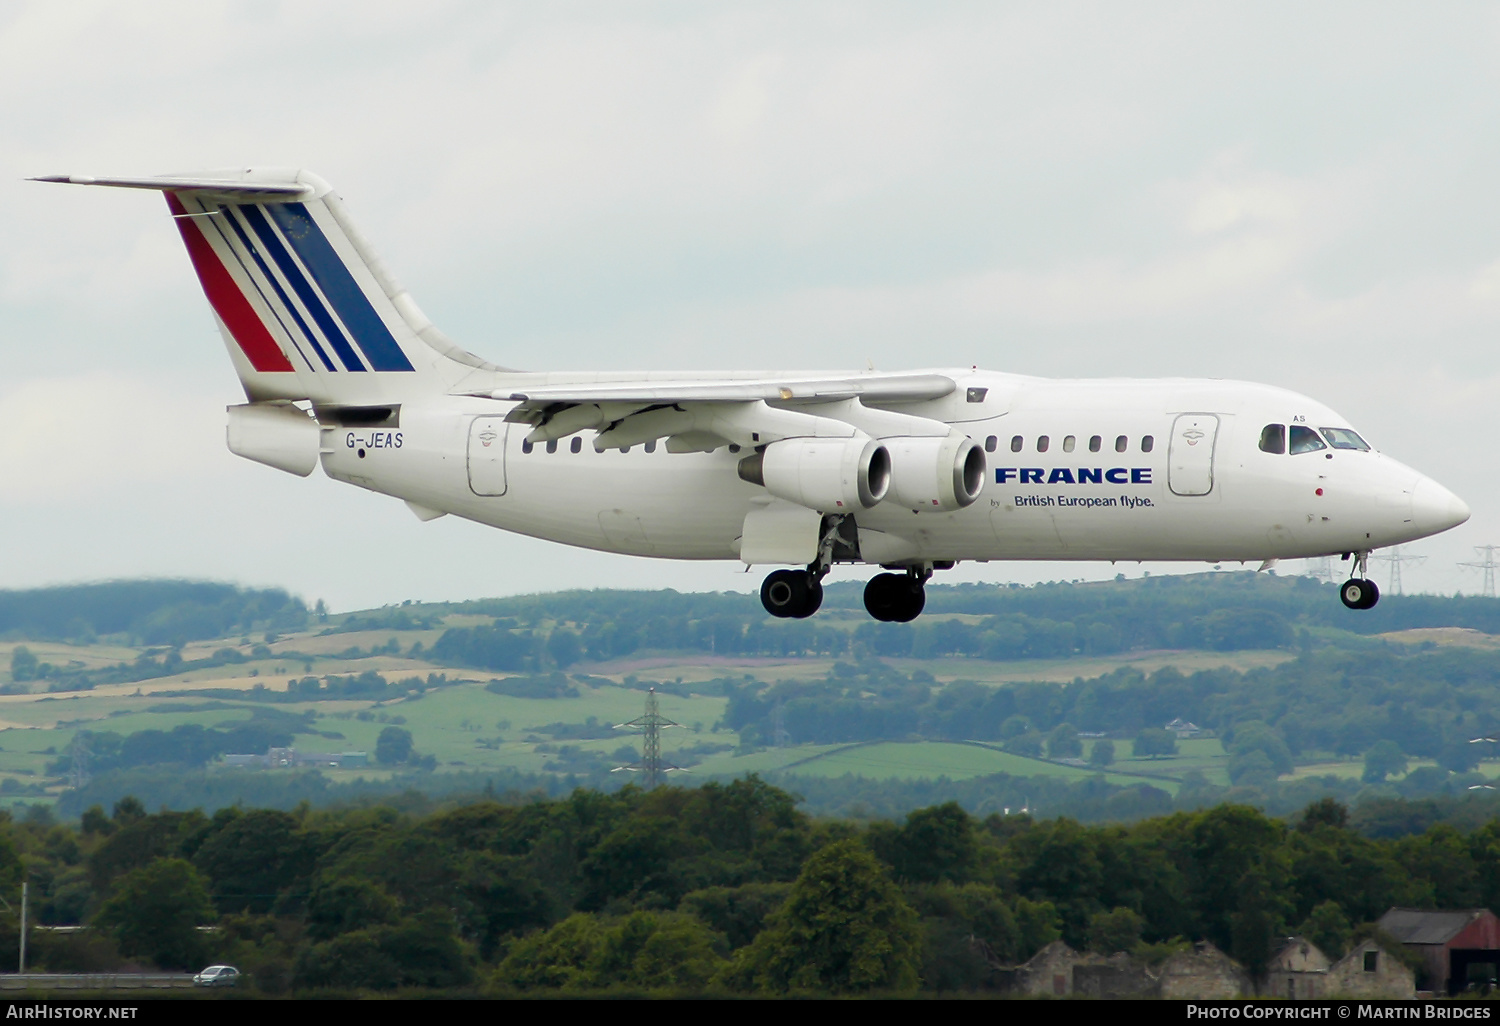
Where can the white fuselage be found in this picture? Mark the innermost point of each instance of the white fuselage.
(1201, 488)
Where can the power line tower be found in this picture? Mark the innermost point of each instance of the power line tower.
(1487, 563)
(1396, 557)
(1320, 568)
(779, 736)
(78, 775)
(651, 768)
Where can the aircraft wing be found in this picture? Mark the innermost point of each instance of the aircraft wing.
(875, 388)
(703, 415)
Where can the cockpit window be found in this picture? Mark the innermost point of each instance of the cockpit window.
(1305, 439)
(1273, 438)
(1343, 438)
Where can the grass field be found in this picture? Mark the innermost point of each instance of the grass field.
(929, 759)
(463, 726)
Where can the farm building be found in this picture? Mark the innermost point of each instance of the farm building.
(1456, 946)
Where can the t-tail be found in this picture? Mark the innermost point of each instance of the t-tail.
(306, 309)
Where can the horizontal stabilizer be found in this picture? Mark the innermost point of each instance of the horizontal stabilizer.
(245, 191)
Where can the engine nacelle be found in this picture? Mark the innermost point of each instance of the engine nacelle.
(276, 434)
(826, 474)
(935, 473)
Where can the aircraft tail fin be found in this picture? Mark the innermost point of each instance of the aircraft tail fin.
(306, 309)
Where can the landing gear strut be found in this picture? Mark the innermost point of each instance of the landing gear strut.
(897, 598)
(1360, 592)
(797, 594)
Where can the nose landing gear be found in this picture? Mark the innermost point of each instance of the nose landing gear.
(1360, 592)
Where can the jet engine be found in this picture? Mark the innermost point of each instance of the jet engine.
(825, 474)
(938, 474)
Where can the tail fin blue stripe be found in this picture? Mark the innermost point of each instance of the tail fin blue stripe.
(300, 285)
(348, 299)
(249, 244)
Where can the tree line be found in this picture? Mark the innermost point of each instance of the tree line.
(721, 888)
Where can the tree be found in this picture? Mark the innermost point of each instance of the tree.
(1102, 754)
(1328, 928)
(345, 905)
(1119, 929)
(1028, 744)
(155, 913)
(845, 927)
(252, 857)
(1384, 759)
(393, 747)
(23, 664)
(564, 648)
(1154, 742)
(1257, 736)
(1458, 755)
(935, 844)
(1063, 742)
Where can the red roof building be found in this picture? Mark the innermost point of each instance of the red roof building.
(1448, 941)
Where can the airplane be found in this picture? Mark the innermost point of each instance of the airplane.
(910, 472)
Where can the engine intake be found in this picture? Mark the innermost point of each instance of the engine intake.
(825, 474)
(941, 474)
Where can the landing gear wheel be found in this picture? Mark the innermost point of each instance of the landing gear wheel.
(791, 593)
(1359, 594)
(895, 598)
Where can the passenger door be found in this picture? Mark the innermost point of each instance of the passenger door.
(487, 455)
(1190, 458)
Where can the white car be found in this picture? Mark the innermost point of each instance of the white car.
(217, 976)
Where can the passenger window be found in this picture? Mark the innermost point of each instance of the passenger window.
(576, 444)
(1094, 443)
(991, 443)
(1068, 443)
(651, 446)
(1016, 443)
(526, 446)
(1147, 443)
(1042, 441)
(1273, 438)
(1121, 443)
(551, 445)
(1343, 438)
(1305, 439)
(624, 448)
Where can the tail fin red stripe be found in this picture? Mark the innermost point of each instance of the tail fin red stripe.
(226, 298)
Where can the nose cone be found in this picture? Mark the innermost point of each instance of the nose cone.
(1434, 508)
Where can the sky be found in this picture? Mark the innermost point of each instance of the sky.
(1303, 195)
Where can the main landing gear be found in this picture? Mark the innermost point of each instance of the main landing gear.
(897, 598)
(1360, 592)
(792, 593)
(891, 597)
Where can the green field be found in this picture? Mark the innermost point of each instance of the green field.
(465, 727)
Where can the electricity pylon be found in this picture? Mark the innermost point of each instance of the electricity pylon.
(1320, 568)
(1486, 563)
(651, 724)
(1396, 557)
(78, 775)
